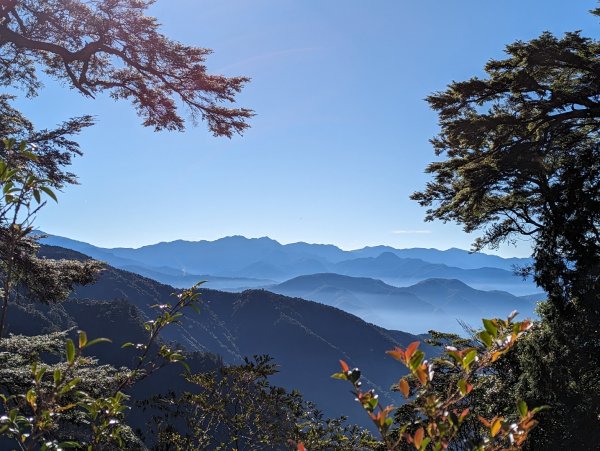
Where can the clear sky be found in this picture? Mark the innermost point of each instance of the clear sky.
(340, 139)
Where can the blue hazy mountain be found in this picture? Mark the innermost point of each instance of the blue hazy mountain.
(450, 257)
(470, 304)
(370, 299)
(175, 276)
(237, 262)
(404, 271)
(429, 304)
(180, 279)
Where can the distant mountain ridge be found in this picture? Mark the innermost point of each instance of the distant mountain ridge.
(429, 304)
(237, 262)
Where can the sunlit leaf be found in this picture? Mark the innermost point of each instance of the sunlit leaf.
(31, 398)
(416, 359)
(82, 339)
(418, 438)
(411, 349)
(397, 353)
(69, 385)
(345, 367)
(404, 388)
(421, 375)
(496, 355)
(496, 425)
(469, 358)
(341, 376)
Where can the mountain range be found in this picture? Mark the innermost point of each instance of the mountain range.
(236, 263)
(306, 323)
(430, 304)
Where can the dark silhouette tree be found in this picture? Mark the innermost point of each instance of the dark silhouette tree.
(113, 46)
(522, 158)
(522, 155)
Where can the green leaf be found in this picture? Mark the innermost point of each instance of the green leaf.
(31, 397)
(416, 359)
(486, 338)
(40, 373)
(341, 376)
(69, 445)
(98, 340)
(175, 317)
(469, 358)
(462, 386)
(522, 406)
(70, 352)
(176, 357)
(49, 192)
(490, 327)
(186, 366)
(82, 339)
(69, 386)
(373, 403)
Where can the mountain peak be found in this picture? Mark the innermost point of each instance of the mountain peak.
(446, 283)
(387, 256)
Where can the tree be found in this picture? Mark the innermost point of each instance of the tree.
(22, 273)
(112, 46)
(236, 407)
(522, 159)
(522, 155)
(53, 406)
(75, 402)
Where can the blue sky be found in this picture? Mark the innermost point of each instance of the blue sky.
(340, 138)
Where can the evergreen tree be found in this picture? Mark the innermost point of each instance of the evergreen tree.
(522, 159)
